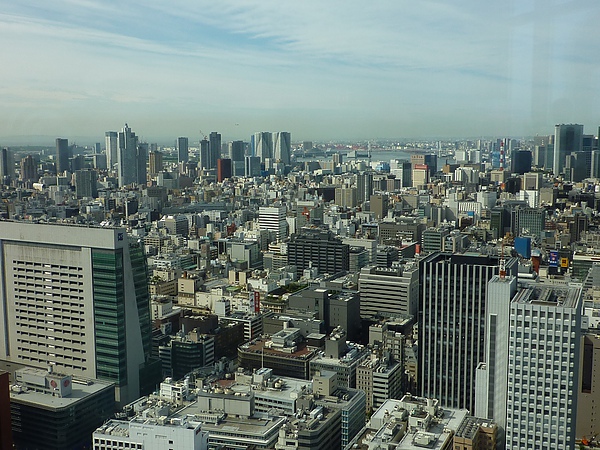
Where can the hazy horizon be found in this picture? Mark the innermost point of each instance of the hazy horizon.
(320, 70)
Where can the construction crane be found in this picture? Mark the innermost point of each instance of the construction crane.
(203, 135)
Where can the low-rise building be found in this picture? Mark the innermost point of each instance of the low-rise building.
(55, 411)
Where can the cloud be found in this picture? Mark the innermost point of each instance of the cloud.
(308, 63)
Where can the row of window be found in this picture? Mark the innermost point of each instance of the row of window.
(34, 359)
(103, 444)
(44, 327)
(38, 336)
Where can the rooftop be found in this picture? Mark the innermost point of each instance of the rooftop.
(566, 296)
(80, 390)
(469, 426)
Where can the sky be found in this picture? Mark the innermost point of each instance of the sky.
(322, 70)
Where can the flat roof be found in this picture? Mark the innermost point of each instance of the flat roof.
(79, 392)
(542, 294)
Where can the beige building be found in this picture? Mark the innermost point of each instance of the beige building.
(474, 433)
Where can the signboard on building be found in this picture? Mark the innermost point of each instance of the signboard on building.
(553, 258)
(254, 299)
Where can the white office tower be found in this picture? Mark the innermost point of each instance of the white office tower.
(282, 147)
(110, 138)
(543, 367)
(75, 299)
(491, 375)
(263, 145)
(273, 218)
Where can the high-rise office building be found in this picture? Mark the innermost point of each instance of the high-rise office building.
(320, 250)
(131, 158)
(527, 221)
(155, 162)
(214, 149)
(262, 145)
(252, 166)
(236, 154)
(236, 150)
(273, 218)
(76, 299)
(452, 324)
(492, 373)
(429, 160)
(364, 186)
(567, 139)
(204, 162)
(389, 292)
(28, 169)
(521, 161)
(85, 183)
(63, 154)
(543, 367)
(223, 169)
(141, 158)
(282, 147)
(379, 205)
(126, 156)
(183, 154)
(111, 148)
(7, 166)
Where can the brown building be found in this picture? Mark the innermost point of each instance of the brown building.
(474, 433)
(379, 205)
(284, 352)
(223, 169)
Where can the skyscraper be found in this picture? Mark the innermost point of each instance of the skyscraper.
(320, 250)
(28, 169)
(62, 155)
(155, 164)
(182, 150)
(7, 166)
(141, 157)
(567, 139)
(131, 158)
(214, 149)
(76, 299)
(204, 162)
(521, 161)
(263, 145)
(110, 139)
(492, 373)
(282, 147)
(273, 218)
(543, 367)
(236, 154)
(236, 150)
(452, 325)
(85, 183)
(252, 166)
(223, 169)
(364, 186)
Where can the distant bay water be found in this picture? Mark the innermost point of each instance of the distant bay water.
(377, 155)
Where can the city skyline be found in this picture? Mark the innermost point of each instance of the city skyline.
(333, 71)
